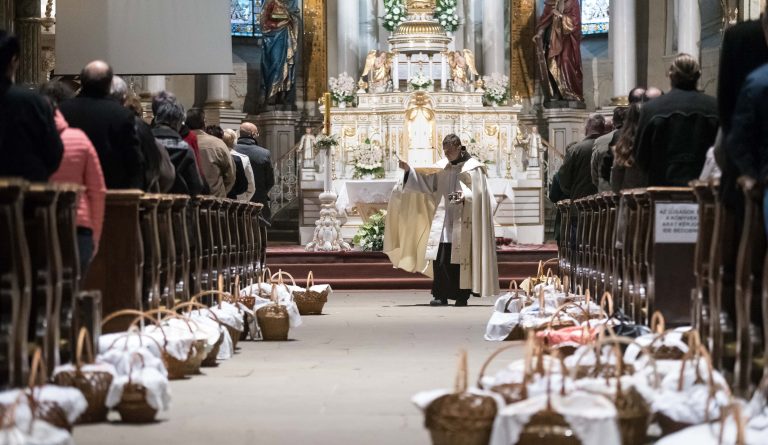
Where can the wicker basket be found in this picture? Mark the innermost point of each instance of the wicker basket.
(461, 418)
(195, 355)
(47, 411)
(273, 320)
(210, 359)
(133, 406)
(93, 384)
(512, 392)
(234, 334)
(308, 301)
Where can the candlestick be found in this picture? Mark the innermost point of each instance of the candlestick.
(327, 117)
(395, 73)
(443, 72)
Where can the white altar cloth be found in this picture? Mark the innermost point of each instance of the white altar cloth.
(363, 191)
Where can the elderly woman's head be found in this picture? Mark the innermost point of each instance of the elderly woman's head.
(171, 114)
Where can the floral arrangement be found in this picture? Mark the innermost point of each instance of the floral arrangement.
(496, 88)
(394, 14)
(483, 153)
(342, 88)
(325, 141)
(445, 13)
(420, 81)
(366, 160)
(370, 236)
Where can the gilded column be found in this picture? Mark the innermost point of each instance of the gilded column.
(623, 49)
(523, 24)
(315, 49)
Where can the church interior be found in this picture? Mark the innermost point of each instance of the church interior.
(486, 222)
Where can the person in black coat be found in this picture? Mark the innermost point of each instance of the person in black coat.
(168, 120)
(108, 125)
(30, 146)
(261, 162)
(676, 129)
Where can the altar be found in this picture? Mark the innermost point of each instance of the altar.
(413, 95)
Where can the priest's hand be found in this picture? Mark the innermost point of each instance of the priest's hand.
(404, 165)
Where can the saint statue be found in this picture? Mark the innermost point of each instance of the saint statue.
(307, 147)
(460, 62)
(558, 48)
(378, 68)
(280, 21)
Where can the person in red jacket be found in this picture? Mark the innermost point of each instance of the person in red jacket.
(80, 165)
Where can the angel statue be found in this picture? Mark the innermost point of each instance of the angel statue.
(460, 61)
(378, 68)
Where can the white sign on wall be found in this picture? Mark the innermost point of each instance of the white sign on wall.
(676, 223)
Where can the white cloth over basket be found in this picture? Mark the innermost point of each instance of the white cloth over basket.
(592, 418)
(158, 390)
(69, 399)
(204, 318)
(176, 341)
(121, 360)
(500, 325)
(424, 398)
(38, 433)
(130, 342)
(709, 434)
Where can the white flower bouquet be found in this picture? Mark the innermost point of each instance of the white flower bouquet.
(496, 88)
(370, 236)
(366, 160)
(420, 81)
(394, 14)
(482, 152)
(342, 88)
(446, 14)
(325, 141)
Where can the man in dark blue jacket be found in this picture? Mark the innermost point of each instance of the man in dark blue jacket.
(261, 162)
(30, 146)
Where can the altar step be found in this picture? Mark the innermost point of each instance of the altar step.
(372, 270)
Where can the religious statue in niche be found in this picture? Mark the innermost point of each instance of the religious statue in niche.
(460, 62)
(378, 68)
(280, 22)
(558, 50)
(307, 147)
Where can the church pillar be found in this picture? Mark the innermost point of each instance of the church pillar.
(369, 32)
(623, 49)
(28, 29)
(689, 27)
(493, 37)
(155, 84)
(750, 9)
(6, 15)
(218, 92)
(470, 17)
(348, 33)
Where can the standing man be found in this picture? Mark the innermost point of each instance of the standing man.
(108, 125)
(216, 164)
(30, 146)
(575, 173)
(602, 153)
(462, 243)
(676, 129)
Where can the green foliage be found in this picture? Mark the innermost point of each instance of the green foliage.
(370, 236)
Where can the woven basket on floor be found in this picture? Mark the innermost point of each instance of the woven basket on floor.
(308, 301)
(210, 358)
(133, 406)
(461, 418)
(195, 355)
(273, 319)
(48, 411)
(234, 333)
(512, 392)
(93, 384)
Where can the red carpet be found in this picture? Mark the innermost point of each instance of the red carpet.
(373, 270)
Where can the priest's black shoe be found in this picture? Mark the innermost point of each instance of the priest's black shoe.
(460, 303)
(438, 302)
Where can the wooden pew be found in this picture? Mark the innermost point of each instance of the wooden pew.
(167, 252)
(208, 260)
(66, 222)
(608, 210)
(150, 247)
(15, 285)
(181, 236)
(701, 306)
(226, 243)
(217, 247)
(117, 269)
(641, 238)
(195, 246)
(45, 259)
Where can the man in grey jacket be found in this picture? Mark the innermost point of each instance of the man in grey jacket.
(261, 163)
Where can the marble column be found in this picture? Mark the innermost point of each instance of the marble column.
(154, 84)
(218, 92)
(750, 9)
(369, 30)
(6, 15)
(493, 37)
(470, 40)
(689, 27)
(623, 49)
(348, 33)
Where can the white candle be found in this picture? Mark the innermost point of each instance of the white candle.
(443, 73)
(408, 71)
(395, 73)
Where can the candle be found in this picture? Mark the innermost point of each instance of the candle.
(395, 73)
(327, 111)
(443, 73)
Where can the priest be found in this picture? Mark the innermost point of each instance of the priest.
(460, 244)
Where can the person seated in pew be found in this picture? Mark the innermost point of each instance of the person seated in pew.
(218, 168)
(80, 165)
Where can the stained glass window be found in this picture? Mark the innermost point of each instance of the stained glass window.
(594, 16)
(244, 16)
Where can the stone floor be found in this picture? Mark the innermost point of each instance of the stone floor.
(346, 378)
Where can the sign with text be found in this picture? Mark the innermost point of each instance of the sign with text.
(676, 223)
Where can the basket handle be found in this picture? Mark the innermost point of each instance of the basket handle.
(310, 279)
(120, 313)
(130, 365)
(83, 338)
(193, 304)
(540, 270)
(562, 310)
(607, 298)
(134, 331)
(147, 316)
(734, 410)
(37, 368)
(171, 314)
(528, 354)
(280, 274)
(460, 385)
(658, 324)
(267, 275)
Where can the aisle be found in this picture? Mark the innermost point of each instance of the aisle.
(347, 378)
